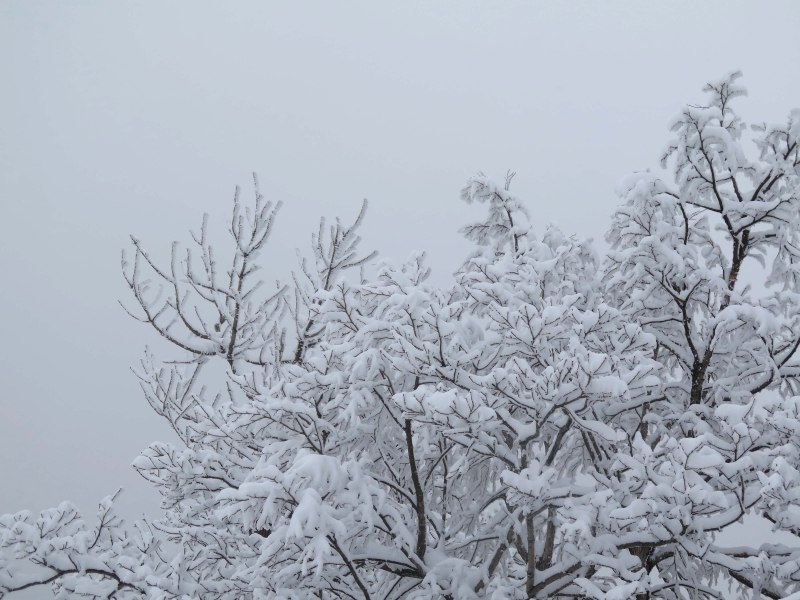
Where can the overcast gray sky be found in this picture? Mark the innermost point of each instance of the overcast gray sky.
(122, 118)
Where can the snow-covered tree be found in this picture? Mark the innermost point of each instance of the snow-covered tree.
(553, 424)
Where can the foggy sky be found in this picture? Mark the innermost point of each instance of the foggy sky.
(136, 118)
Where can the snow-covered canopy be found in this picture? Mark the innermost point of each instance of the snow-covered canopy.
(553, 424)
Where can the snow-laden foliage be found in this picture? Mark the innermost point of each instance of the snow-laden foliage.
(553, 424)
